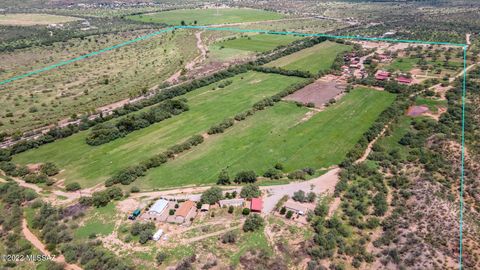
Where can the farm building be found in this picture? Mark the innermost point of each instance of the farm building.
(382, 75)
(404, 80)
(296, 208)
(158, 207)
(185, 211)
(256, 205)
(231, 202)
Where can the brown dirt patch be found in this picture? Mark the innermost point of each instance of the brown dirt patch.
(319, 92)
(417, 110)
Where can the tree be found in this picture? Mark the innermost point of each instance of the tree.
(223, 178)
(49, 169)
(73, 186)
(211, 195)
(283, 210)
(250, 191)
(246, 211)
(230, 209)
(289, 214)
(253, 223)
(246, 177)
(299, 174)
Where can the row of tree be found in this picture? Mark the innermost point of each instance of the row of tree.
(107, 132)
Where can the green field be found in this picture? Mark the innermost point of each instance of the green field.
(28, 19)
(257, 43)
(99, 221)
(90, 165)
(407, 64)
(207, 16)
(276, 135)
(314, 59)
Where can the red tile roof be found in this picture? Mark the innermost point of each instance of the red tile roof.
(256, 204)
(185, 208)
(402, 79)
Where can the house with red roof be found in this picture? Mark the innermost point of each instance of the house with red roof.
(256, 205)
(382, 75)
(404, 80)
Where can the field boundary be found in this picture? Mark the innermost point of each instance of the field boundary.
(238, 30)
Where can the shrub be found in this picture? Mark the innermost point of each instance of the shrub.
(246, 177)
(73, 186)
(273, 174)
(289, 214)
(253, 222)
(229, 238)
(49, 168)
(299, 174)
(230, 209)
(161, 257)
(283, 210)
(246, 211)
(299, 196)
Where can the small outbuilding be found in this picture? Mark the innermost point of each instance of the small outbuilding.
(256, 205)
(205, 207)
(231, 202)
(295, 208)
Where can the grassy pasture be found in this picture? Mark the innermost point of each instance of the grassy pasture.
(257, 43)
(86, 85)
(276, 135)
(28, 19)
(243, 46)
(208, 16)
(91, 165)
(317, 58)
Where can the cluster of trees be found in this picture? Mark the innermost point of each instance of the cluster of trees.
(108, 131)
(220, 128)
(91, 255)
(46, 170)
(13, 197)
(250, 191)
(282, 71)
(144, 231)
(212, 195)
(102, 198)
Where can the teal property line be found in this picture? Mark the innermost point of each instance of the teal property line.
(462, 162)
(303, 35)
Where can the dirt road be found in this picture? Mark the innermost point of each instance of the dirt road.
(33, 239)
(190, 65)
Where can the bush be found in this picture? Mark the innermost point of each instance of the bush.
(273, 174)
(229, 238)
(253, 222)
(283, 210)
(299, 196)
(230, 209)
(246, 211)
(161, 257)
(49, 169)
(250, 191)
(299, 174)
(73, 186)
(134, 189)
(279, 166)
(246, 177)
(289, 214)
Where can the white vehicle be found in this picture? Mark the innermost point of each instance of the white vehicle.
(157, 235)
